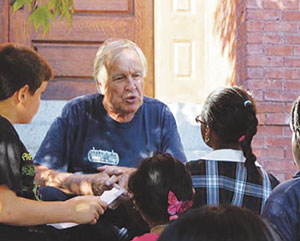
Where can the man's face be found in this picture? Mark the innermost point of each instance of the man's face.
(124, 89)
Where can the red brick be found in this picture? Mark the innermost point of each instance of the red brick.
(277, 73)
(258, 95)
(297, 50)
(270, 107)
(287, 131)
(255, 37)
(264, 84)
(253, 49)
(274, 153)
(261, 118)
(280, 26)
(275, 141)
(272, 5)
(287, 95)
(255, 14)
(288, 154)
(280, 50)
(270, 131)
(292, 84)
(253, 4)
(292, 62)
(290, 4)
(291, 16)
(264, 61)
(272, 15)
(281, 5)
(288, 107)
(278, 165)
(272, 38)
(258, 141)
(254, 26)
(292, 39)
(255, 73)
(277, 119)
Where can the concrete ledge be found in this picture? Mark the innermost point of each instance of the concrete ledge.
(33, 133)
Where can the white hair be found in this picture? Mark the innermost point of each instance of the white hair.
(108, 52)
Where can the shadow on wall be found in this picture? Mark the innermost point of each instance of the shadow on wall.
(225, 29)
(185, 113)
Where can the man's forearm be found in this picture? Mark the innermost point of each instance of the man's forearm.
(68, 182)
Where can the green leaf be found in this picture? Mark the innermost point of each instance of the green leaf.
(44, 11)
(18, 4)
(40, 17)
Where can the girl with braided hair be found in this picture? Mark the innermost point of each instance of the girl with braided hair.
(230, 173)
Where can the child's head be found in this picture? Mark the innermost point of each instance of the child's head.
(20, 66)
(23, 78)
(295, 127)
(154, 180)
(223, 223)
(230, 114)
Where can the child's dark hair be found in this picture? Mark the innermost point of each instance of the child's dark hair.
(153, 180)
(222, 223)
(20, 66)
(295, 117)
(231, 113)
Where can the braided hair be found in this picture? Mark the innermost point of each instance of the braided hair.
(231, 113)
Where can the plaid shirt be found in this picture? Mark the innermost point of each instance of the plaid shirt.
(221, 177)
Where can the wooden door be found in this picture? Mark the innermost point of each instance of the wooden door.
(71, 51)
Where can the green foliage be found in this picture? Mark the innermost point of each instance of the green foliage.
(42, 11)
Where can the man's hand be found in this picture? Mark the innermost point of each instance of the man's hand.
(104, 180)
(123, 172)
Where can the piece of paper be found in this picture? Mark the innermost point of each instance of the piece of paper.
(108, 196)
(111, 195)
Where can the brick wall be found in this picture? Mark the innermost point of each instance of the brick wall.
(269, 36)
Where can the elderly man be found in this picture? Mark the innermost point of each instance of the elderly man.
(99, 139)
(100, 133)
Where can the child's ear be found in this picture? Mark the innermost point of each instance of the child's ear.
(22, 93)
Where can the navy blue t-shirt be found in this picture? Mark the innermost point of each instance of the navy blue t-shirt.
(85, 137)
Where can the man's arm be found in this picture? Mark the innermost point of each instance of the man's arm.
(19, 211)
(78, 184)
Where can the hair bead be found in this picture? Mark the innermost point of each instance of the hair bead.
(247, 103)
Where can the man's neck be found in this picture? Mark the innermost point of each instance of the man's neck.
(119, 117)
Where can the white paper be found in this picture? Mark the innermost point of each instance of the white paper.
(108, 196)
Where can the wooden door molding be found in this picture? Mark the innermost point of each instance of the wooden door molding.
(4, 21)
(71, 51)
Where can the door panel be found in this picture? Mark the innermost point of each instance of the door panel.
(111, 6)
(71, 51)
(189, 57)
